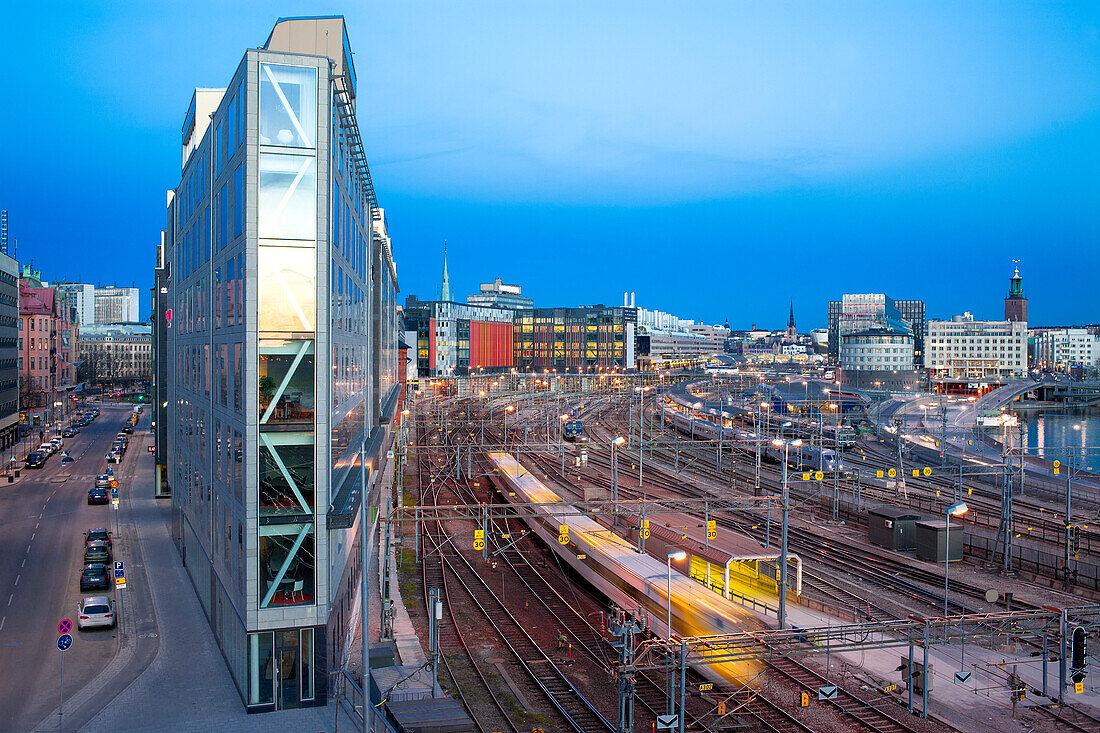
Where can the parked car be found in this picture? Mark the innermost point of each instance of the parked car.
(98, 534)
(94, 577)
(128, 429)
(47, 448)
(97, 551)
(35, 460)
(97, 496)
(103, 481)
(96, 611)
(69, 432)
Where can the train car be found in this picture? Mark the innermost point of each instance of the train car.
(806, 457)
(573, 430)
(628, 578)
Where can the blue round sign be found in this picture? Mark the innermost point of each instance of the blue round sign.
(64, 641)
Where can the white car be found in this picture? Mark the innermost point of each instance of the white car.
(47, 448)
(97, 611)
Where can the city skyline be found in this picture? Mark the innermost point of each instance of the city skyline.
(874, 149)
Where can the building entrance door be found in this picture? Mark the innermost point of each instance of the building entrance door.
(288, 681)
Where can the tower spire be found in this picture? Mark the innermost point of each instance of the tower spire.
(445, 288)
(791, 328)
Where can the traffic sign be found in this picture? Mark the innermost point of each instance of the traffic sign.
(962, 677)
(818, 475)
(114, 484)
(892, 473)
(120, 582)
(805, 700)
(806, 476)
(563, 539)
(879, 474)
(706, 686)
(645, 529)
(826, 692)
(1057, 464)
(1078, 688)
(65, 626)
(890, 688)
(153, 449)
(668, 722)
(64, 641)
(927, 471)
(479, 534)
(120, 573)
(712, 530)
(479, 544)
(119, 565)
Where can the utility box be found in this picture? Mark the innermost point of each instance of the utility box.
(438, 715)
(932, 539)
(918, 677)
(893, 527)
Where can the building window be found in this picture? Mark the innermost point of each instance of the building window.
(288, 106)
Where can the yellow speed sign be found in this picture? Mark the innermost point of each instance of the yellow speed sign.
(927, 471)
(819, 475)
(892, 473)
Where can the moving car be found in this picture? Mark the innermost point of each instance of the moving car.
(94, 577)
(69, 432)
(98, 534)
(97, 495)
(35, 460)
(103, 481)
(96, 551)
(47, 448)
(96, 611)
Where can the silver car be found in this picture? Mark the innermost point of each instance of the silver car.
(96, 611)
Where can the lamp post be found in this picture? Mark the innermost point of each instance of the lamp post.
(618, 441)
(786, 445)
(670, 556)
(955, 510)
(508, 409)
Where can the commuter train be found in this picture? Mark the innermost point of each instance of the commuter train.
(573, 430)
(806, 458)
(628, 578)
(803, 457)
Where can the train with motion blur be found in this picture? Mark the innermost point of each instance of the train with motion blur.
(804, 457)
(629, 578)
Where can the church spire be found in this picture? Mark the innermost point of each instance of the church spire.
(445, 288)
(791, 328)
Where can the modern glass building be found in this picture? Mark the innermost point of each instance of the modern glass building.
(282, 359)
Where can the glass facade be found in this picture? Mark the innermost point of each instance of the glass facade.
(287, 314)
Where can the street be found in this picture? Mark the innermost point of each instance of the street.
(43, 518)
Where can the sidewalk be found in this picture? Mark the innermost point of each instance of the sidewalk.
(187, 687)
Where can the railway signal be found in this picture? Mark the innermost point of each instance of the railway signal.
(479, 539)
(712, 530)
(1078, 652)
(563, 534)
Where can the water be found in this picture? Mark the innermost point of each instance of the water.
(1063, 430)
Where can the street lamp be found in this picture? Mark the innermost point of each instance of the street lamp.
(509, 408)
(955, 510)
(615, 467)
(670, 556)
(786, 445)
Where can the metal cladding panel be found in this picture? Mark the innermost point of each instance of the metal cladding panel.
(490, 344)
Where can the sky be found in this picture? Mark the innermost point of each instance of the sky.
(720, 159)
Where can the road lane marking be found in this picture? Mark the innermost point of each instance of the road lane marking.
(17, 577)
(28, 544)
(23, 563)
(37, 523)
(2, 620)
(10, 596)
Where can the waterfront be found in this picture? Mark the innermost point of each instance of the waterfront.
(1053, 433)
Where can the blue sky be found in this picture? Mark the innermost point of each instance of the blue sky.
(718, 158)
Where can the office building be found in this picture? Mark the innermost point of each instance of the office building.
(115, 304)
(585, 339)
(80, 296)
(281, 361)
(963, 348)
(874, 310)
(876, 344)
(500, 295)
(657, 347)
(117, 354)
(46, 359)
(1062, 349)
(1016, 302)
(9, 350)
(716, 337)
